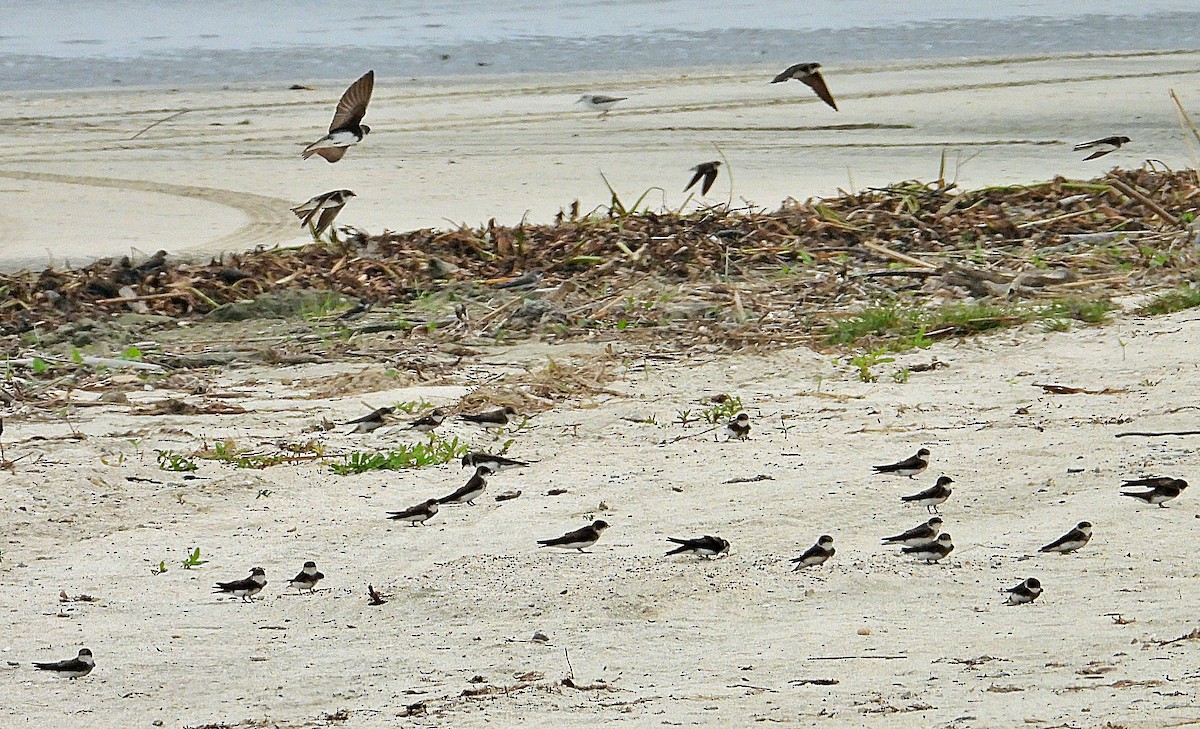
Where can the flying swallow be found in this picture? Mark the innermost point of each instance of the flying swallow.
(600, 102)
(706, 546)
(909, 466)
(1072, 540)
(932, 551)
(932, 496)
(810, 76)
(1024, 593)
(328, 204)
(308, 577)
(739, 427)
(416, 515)
(472, 490)
(347, 127)
(1102, 146)
(370, 422)
(77, 667)
(921, 534)
(1162, 489)
(817, 554)
(499, 416)
(494, 463)
(247, 588)
(708, 171)
(579, 539)
(428, 422)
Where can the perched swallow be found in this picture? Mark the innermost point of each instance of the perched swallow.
(428, 422)
(932, 551)
(922, 534)
(579, 539)
(370, 422)
(1162, 489)
(739, 427)
(810, 76)
(77, 667)
(247, 588)
(932, 496)
(1072, 540)
(600, 102)
(1102, 146)
(817, 554)
(328, 204)
(473, 490)
(494, 463)
(499, 416)
(708, 171)
(416, 515)
(706, 546)
(909, 466)
(308, 577)
(1024, 593)
(347, 127)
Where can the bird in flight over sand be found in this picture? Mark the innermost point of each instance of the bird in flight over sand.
(707, 171)
(347, 127)
(1102, 146)
(600, 102)
(328, 204)
(811, 77)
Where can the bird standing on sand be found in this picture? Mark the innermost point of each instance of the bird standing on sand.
(808, 74)
(1103, 146)
(1161, 489)
(1072, 540)
(499, 416)
(934, 551)
(600, 102)
(1024, 593)
(739, 427)
(308, 577)
(707, 171)
(347, 128)
(77, 667)
(706, 546)
(918, 535)
(428, 422)
(909, 466)
(371, 421)
(328, 204)
(932, 496)
(494, 463)
(472, 490)
(579, 539)
(416, 515)
(817, 554)
(247, 588)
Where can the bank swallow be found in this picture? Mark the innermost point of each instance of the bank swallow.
(499, 416)
(707, 171)
(328, 204)
(706, 546)
(416, 515)
(1102, 146)
(600, 102)
(347, 127)
(247, 588)
(370, 422)
(1072, 540)
(921, 534)
(931, 552)
(494, 463)
(810, 76)
(428, 422)
(932, 496)
(579, 539)
(1161, 489)
(817, 554)
(739, 427)
(308, 577)
(472, 490)
(77, 667)
(909, 466)
(1024, 593)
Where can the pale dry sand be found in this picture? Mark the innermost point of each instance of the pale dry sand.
(74, 186)
(679, 641)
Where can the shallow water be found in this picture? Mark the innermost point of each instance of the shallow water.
(81, 43)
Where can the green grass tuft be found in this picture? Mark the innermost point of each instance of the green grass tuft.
(1184, 298)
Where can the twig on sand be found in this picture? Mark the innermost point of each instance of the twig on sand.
(854, 658)
(376, 598)
(1144, 200)
(1152, 434)
(160, 121)
(688, 435)
(570, 668)
(1194, 635)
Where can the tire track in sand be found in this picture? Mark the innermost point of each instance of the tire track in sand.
(270, 219)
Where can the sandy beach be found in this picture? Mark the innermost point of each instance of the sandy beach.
(75, 185)
(873, 638)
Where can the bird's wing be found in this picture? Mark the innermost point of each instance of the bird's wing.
(327, 216)
(1097, 153)
(710, 176)
(579, 535)
(353, 105)
(331, 154)
(695, 178)
(816, 82)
